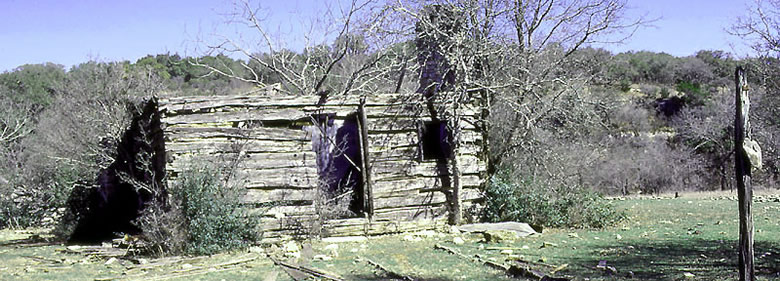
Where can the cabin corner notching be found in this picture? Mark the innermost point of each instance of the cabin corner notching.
(344, 167)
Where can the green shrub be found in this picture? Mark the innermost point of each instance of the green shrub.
(694, 95)
(537, 203)
(625, 86)
(214, 218)
(206, 209)
(664, 93)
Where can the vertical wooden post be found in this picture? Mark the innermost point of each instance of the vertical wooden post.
(365, 158)
(743, 173)
(456, 213)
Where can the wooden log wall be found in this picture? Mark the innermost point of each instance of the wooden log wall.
(267, 135)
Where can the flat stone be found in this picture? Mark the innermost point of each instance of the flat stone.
(520, 228)
(426, 233)
(458, 241)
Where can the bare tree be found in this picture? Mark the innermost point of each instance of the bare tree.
(15, 119)
(760, 27)
(518, 58)
(16, 123)
(77, 136)
(709, 129)
(343, 61)
(515, 57)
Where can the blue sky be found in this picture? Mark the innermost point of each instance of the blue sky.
(69, 32)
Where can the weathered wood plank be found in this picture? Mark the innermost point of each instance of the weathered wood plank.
(252, 146)
(470, 165)
(403, 186)
(259, 160)
(412, 213)
(376, 122)
(421, 199)
(269, 179)
(298, 225)
(379, 125)
(193, 103)
(282, 114)
(248, 171)
(257, 133)
(277, 195)
(281, 211)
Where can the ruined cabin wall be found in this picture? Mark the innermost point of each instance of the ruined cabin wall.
(279, 167)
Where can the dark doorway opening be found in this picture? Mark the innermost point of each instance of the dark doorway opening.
(339, 161)
(435, 140)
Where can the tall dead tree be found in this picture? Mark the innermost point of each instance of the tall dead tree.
(747, 156)
(436, 33)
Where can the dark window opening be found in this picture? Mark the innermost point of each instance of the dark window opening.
(435, 141)
(339, 162)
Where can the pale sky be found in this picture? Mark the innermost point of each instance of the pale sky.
(70, 32)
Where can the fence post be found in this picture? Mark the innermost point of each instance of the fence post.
(743, 173)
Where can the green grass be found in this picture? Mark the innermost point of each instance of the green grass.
(662, 240)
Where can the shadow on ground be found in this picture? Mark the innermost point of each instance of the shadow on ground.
(671, 259)
(385, 277)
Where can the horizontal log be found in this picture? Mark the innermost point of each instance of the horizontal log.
(200, 103)
(411, 213)
(297, 208)
(243, 162)
(300, 225)
(467, 164)
(417, 199)
(277, 195)
(376, 125)
(388, 112)
(222, 146)
(196, 103)
(257, 133)
(404, 186)
(406, 150)
(264, 171)
(405, 153)
(279, 179)
(431, 198)
(259, 160)
(267, 115)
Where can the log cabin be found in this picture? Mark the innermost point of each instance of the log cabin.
(336, 166)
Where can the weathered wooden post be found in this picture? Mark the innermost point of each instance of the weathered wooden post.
(746, 156)
(365, 159)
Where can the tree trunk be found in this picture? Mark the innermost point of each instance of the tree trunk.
(744, 188)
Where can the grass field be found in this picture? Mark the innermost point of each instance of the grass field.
(688, 238)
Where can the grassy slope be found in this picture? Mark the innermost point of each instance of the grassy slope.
(664, 239)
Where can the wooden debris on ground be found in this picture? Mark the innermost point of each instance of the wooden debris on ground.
(519, 269)
(300, 272)
(101, 251)
(184, 271)
(390, 273)
(35, 240)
